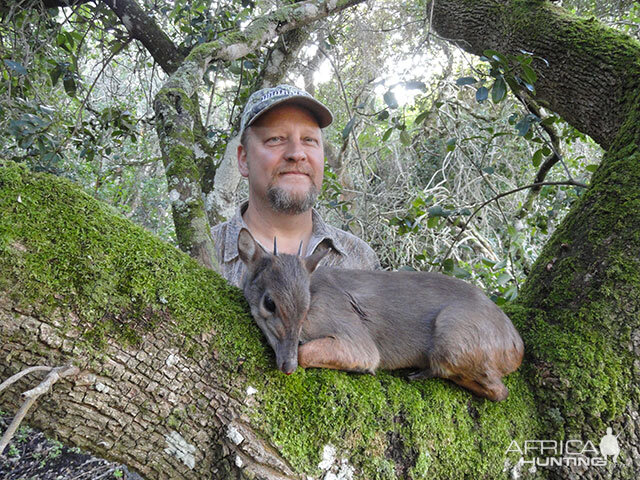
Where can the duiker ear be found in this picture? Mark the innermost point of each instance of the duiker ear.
(249, 250)
(311, 262)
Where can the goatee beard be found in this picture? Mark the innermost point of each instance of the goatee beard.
(284, 202)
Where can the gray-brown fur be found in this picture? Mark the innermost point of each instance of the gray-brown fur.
(364, 320)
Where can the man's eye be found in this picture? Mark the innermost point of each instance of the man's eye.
(274, 140)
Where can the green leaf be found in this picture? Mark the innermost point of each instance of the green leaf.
(549, 120)
(511, 293)
(422, 117)
(387, 134)
(499, 90)
(347, 129)
(528, 74)
(235, 68)
(15, 67)
(482, 94)
(451, 145)
(383, 115)
(432, 222)
(406, 268)
(503, 278)
(69, 85)
(438, 211)
(460, 273)
(523, 126)
(488, 170)
(496, 56)
(537, 158)
(448, 265)
(591, 168)
(487, 262)
(405, 139)
(465, 81)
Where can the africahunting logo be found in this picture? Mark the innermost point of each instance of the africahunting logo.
(568, 453)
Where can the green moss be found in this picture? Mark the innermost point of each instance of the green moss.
(440, 430)
(61, 249)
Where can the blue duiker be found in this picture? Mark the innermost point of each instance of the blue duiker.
(360, 320)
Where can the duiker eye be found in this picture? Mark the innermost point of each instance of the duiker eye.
(269, 304)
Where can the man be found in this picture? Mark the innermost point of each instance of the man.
(282, 155)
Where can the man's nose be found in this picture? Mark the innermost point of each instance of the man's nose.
(295, 151)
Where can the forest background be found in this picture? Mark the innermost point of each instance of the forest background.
(438, 158)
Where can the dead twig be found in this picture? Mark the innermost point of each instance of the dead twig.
(55, 374)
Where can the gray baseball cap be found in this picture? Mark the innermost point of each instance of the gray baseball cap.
(262, 101)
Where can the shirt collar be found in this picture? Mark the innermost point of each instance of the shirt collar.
(320, 231)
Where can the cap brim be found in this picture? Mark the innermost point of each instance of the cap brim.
(322, 114)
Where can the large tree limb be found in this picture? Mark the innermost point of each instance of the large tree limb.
(142, 27)
(586, 71)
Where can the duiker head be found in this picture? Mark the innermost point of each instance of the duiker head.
(277, 289)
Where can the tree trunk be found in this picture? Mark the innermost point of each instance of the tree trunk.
(579, 310)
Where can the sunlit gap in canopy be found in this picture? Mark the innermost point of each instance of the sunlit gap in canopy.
(397, 71)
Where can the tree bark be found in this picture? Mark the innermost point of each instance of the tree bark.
(143, 28)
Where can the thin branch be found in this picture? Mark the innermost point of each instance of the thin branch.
(121, 47)
(32, 395)
(19, 375)
(504, 194)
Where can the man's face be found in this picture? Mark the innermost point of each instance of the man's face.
(284, 159)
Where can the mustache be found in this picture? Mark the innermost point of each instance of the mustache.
(304, 170)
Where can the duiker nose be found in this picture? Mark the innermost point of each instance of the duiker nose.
(289, 366)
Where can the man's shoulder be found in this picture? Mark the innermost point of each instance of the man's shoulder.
(357, 252)
(219, 228)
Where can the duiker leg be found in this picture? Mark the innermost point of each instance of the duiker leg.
(339, 354)
(493, 390)
(468, 351)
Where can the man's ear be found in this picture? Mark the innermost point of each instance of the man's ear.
(311, 262)
(243, 166)
(249, 250)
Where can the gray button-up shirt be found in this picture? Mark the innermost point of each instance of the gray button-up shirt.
(348, 250)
